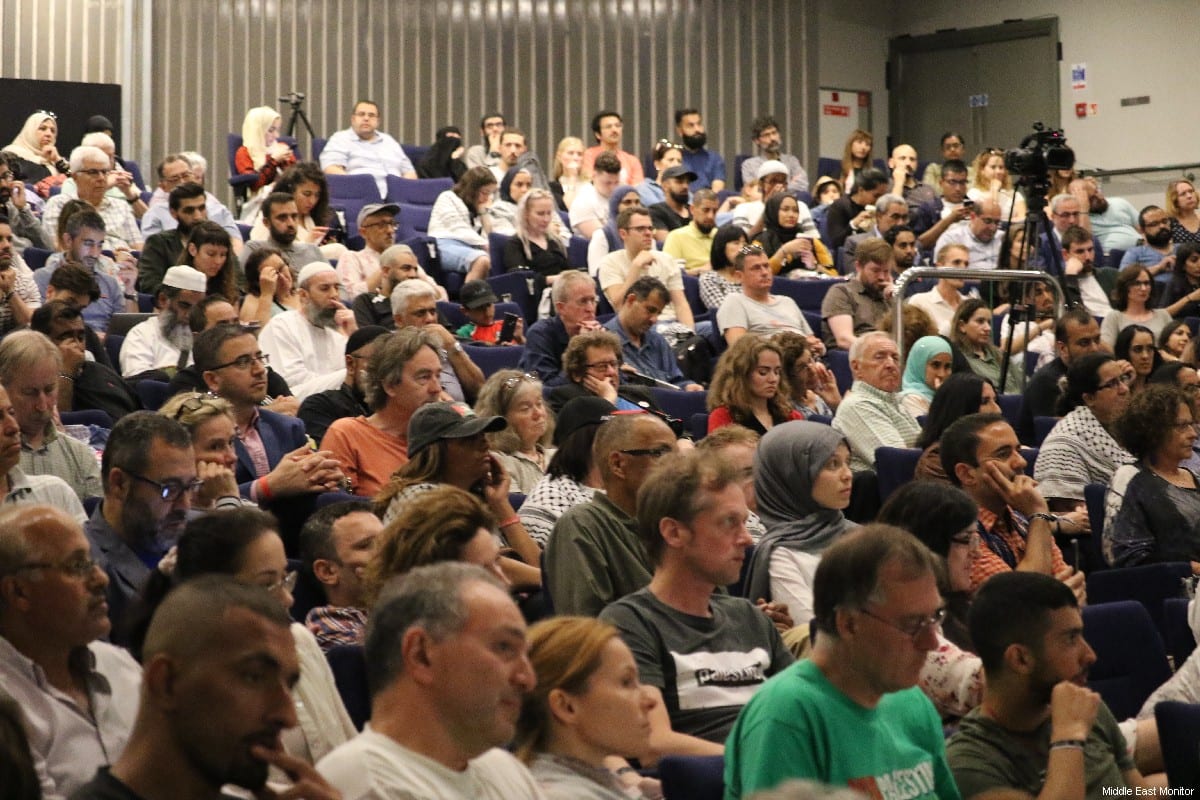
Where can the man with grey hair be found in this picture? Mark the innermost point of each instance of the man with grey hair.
(216, 693)
(188, 167)
(574, 297)
(91, 167)
(414, 305)
(120, 181)
(877, 617)
(446, 646)
(78, 693)
(871, 415)
(890, 211)
(308, 344)
(395, 264)
(29, 368)
(401, 376)
(163, 343)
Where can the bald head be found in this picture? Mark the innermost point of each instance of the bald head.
(23, 531)
(986, 219)
(626, 432)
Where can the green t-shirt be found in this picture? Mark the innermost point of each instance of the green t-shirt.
(985, 756)
(799, 725)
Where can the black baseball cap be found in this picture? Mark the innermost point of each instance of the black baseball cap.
(433, 422)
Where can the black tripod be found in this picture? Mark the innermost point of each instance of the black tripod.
(1035, 189)
(296, 100)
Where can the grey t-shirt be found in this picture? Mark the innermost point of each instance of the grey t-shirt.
(765, 319)
(706, 667)
(984, 756)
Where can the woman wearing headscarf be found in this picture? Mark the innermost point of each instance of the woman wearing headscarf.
(790, 239)
(36, 151)
(928, 365)
(262, 152)
(802, 483)
(444, 158)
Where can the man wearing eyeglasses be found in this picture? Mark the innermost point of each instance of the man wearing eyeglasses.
(397, 264)
(1039, 728)
(149, 474)
(853, 714)
(594, 555)
(27, 228)
(705, 652)
(174, 171)
(1065, 213)
(363, 148)
(933, 217)
(979, 234)
(78, 694)
(890, 211)
(90, 167)
(275, 458)
(360, 270)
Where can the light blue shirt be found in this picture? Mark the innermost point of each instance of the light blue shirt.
(158, 218)
(98, 313)
(382, 156)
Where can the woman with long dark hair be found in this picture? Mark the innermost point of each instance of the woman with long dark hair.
(461, 221)
(960, 394)
(210, 250)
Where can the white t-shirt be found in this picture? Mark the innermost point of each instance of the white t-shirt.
(375, 766)
(587, 206)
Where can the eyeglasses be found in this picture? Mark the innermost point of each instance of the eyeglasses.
(190, 406)
(1124, 379)
(172, 489)
(510, 383)
(656, 452)
(78, 567)
(955, 181)
(751, 249)
(990, 220)
(914, 628)
(246, 362)
(49, 114)
(605, 365)
(183, 176)
(95, 173)
(287, 583)
(388, 224)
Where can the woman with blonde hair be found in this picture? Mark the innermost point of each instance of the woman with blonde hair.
(567, 175)
(443, 524)
(261, 152)
(540, 241)
(993, 182)
(588, 705)
(521, 448)
(209, 420)
(36, 152)
(1181, 207)
(855, 157)
(749, 387)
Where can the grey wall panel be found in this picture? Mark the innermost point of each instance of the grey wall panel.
(198, 65)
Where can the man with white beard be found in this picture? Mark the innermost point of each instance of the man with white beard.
(307, 345)
(164, 343)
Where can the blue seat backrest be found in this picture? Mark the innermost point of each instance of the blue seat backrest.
(1179, 734)
(692, 777)
(418, 192)
(895, 467)
(1131, 661)
(349, 667)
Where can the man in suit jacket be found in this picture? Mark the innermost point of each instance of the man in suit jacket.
(1065, 212)
(275, 458)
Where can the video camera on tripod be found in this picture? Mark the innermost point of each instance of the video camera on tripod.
(1040, 152)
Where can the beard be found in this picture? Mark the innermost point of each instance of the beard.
(704, 228)
(773, 150)
(284, 238)
(175, 330)
(1160, 239)
(680, 197)
(321, 317)
(695, 141)
(1097, 204)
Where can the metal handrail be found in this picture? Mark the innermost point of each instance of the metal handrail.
(1109, 173)
(984, 275)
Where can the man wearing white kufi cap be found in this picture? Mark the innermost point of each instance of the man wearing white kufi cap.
(307, 345)
(163, 343)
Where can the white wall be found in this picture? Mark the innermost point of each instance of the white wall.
(852, 45)
(1131, 49)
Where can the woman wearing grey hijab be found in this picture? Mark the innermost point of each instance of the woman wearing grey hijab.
(802, 482)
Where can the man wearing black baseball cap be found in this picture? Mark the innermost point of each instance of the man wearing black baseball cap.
(673, 212)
